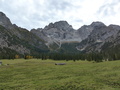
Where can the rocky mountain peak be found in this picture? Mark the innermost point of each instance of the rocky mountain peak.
(2, 14)
(63, 25)
(5, 21)
(60, 25)
(97, 24)
(116, 27)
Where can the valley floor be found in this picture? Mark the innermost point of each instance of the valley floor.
(36, 74)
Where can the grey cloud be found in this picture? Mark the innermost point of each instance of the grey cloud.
(39, 18)
(59, 5)
(51, 10)
(79, 20)
(108, 8)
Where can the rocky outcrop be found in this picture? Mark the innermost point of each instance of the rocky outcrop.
(18, 39)
(100, 35)
(60, 25)
(57, 33)
(60, 31)
(7, 40)
(5, 21)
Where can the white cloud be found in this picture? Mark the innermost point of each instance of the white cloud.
(38, 13)
(109, 12)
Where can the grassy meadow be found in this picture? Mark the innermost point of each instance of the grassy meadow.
(36, 74)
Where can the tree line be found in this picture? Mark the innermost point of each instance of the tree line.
(98, 57)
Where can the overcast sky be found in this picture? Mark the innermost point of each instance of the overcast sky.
(39, 13)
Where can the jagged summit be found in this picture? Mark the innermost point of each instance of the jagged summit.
(61, 25)
(5, 21)
(117, 27)
(97, 24)
(2, 14)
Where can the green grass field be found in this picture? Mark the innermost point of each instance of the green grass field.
(45, 75)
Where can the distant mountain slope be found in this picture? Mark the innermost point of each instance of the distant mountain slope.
(101, 38)
(58, 33)
(58, 37)
(16, 39)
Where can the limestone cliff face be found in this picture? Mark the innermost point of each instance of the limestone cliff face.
(9, 41)
(99, 37)
(5, 21)
(61, 31)
(58, 33)
(18, 39)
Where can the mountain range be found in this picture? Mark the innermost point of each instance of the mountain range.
(59, 37)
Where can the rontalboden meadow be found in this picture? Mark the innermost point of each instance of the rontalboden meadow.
(36, 74)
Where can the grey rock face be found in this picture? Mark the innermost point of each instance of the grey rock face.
(61, 25)
(18, 39)
(61, 32)
(58, 33)
(6, 41)
(85, 31)
(39, 32)
(97, 24)
(4, 21)
(100, 35)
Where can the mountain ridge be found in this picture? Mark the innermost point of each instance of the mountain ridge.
(17, 39)
(57, 37)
